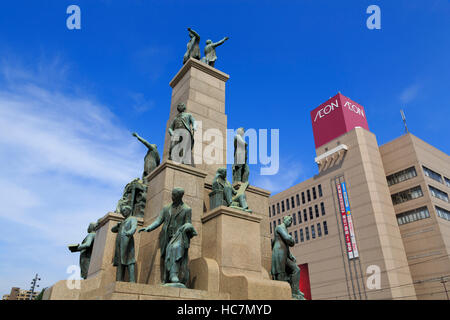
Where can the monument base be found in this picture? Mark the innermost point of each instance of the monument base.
(231, 261)
(90, 290)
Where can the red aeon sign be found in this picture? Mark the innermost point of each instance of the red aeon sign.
(335, 117)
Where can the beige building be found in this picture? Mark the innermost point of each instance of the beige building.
(374, 222)
(20, 294)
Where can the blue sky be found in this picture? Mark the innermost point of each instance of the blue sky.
(69, 99)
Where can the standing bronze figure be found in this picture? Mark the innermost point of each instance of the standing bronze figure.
(85, 249)
(124, 254)
(174, 239)
(284, 264)
(181, 132)
(240, 168)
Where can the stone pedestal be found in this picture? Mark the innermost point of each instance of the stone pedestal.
(231, 261)
(258, 202)
(202, 89)
(162, 180)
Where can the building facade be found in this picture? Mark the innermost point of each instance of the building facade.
(20, 294)
(360, 227)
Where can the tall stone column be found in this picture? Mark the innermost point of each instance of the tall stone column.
(202, 89)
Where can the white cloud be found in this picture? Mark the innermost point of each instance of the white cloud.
(65, 159)
(290, 171)
(409, 93)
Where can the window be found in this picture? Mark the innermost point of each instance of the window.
(270, 228)
(273, 210)
(407, 195)
(308, 194)
(413, 215)
(287, 204)
(401, 176)
(294, 219)
(438, 193)
(299, 214)
(325, 228)
(305, 216)
(432, 174)
(313, 232)
(319, 230)
(307, 233)
(298, 199)
(314, 193)
(310, 213)
(295, 236)
(269, 212)
(301, 235)
(282, 206)
(292, 203)
(319, 188)
(278, 208)
(447, 181)
(303, 198)
(316, 209)
(274, 225)
(322, 208)
(279, 221)
(442, 213)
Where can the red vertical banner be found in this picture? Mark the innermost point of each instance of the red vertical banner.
(304, 284)
(348, 241)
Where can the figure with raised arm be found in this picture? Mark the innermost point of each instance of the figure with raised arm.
(193, 49)
(152, 159)
(210, 51)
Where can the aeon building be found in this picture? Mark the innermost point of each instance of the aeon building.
(374, 222)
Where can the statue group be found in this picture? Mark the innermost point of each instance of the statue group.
(176, 217)
(193, 49)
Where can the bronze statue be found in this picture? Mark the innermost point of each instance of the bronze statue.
(241, 170)
(174, 218)
(193, 49)
(151, 160)
(124, 255)
(210, 51)
(181, 131)
(85, 249)
(135, 196)
(225, 194)
(176, 260)
(284, 264)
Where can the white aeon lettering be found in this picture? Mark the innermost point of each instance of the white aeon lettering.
(354, 108)
(326, 110)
